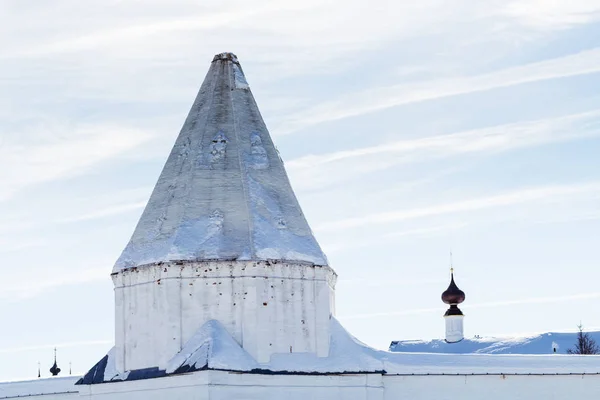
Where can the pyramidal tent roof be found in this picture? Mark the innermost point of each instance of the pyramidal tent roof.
(223, 193)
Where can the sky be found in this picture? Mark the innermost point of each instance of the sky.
(409, 130)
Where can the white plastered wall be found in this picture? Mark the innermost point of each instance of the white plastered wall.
(492, 387)
(268, 307)
(218, 385)
(454, 328)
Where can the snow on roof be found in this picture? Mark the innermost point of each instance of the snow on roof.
(533, 344)
(213, 348)
(38, 387)
(223, 193)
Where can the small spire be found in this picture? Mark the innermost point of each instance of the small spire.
(39, 369)
(70, 368)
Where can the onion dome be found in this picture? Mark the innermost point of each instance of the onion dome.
(453, 295)
(55, 370)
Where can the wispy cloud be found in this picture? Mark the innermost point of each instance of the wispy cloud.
(491, 139)
(9, 350)
(381, 98)
(118, 35)
(534, 300)
(368, 282)
(530, 195)
(274, 32)
(344, 245)
(317, 171)
(16, 291)
(106, 212)
(543, 14)
(55, 152)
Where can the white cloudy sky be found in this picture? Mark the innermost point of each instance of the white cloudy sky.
(408, 129)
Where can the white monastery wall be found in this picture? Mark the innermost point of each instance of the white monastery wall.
(219, 385)
(268, 307)
(492, 387)
(43, 389)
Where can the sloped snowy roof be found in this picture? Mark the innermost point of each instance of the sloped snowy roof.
(212, 347)
(223, 193)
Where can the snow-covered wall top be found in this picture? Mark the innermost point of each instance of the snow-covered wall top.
(213, 348)
(536, 344)
(223, 193)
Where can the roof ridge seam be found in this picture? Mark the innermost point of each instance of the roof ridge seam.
(242, 169)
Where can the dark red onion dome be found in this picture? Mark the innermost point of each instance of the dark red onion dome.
(453, 295)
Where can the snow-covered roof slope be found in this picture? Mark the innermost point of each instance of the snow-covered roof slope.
(211, 347)
(535, 344)
(9, 390)
(223, 193)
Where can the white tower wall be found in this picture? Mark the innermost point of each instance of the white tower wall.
(268, 307)
(454, 328)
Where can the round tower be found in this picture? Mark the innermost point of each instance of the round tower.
(453, 296)
(222, 238)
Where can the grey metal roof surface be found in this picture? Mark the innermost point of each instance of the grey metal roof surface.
(223, 192)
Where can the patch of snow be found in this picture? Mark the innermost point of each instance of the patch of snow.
(291, 244)
(110, 372)
(239, 78)
(258, 158)
(218, 148)
(212, 347)
(534, 344)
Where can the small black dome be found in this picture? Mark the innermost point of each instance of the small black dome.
(453, 295)
(55, 370)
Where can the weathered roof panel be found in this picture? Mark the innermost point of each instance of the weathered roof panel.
(223, 193)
